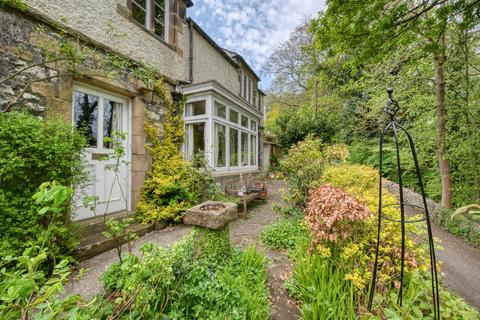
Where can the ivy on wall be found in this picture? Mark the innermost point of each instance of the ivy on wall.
(170, 187)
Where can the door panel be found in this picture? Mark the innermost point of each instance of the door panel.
(98, 114)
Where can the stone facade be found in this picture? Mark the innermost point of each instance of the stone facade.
(109, 23)
(23, 45)
(32, 79)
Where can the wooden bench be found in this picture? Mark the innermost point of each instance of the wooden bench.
(247, 189)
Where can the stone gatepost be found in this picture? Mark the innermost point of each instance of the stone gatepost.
(211, 233)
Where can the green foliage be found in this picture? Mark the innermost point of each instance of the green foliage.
(118, 229)
(173, 283)
(34, 151)
(302, 167)
(419, 305)
(460, 226)
(26, 292)
(211, 247)
(328, 272)
(169, 189)
(283, 233)
(321, 286)
(18, 4)
(292, 126)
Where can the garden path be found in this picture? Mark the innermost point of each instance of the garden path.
(242, 233)
(460, 263)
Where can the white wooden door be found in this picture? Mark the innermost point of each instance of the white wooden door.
(99, 114)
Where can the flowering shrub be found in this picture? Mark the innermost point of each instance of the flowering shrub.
(331, 214)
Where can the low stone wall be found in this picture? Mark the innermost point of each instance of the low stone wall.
(414, 198)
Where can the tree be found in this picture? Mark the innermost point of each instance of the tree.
(372, 30)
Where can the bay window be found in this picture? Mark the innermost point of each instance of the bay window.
(227, 134)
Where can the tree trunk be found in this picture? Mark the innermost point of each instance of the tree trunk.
(439, 60)
(315, 95)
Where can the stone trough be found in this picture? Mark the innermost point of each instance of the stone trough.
(211, 234)
(211, 214)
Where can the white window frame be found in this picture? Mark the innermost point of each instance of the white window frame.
(210, 119)
(148, 17)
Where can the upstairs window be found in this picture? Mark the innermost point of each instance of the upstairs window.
(152, 14)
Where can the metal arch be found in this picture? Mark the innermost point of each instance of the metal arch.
(391, 109)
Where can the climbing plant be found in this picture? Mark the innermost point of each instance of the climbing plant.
(170, 187)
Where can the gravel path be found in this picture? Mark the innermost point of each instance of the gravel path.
(460, 262)
(242, 233)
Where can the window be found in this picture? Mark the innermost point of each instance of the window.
(85, 114)
(196, 108)
(233, 116)
(233, 147)
(253, 150)
(220, 110)
(244, 150)
(159, 18)
(245, 85)
(253, 125)
(152, 14)
(195, 140)
(244, 121)
(112, 113)
(98, 115)
(228, 137)
(220, 153)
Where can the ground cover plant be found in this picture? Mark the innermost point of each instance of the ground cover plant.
(177, 283)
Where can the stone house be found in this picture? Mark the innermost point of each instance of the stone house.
(224, 109)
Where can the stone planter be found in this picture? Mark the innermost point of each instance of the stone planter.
(211, 214)
(211, 233)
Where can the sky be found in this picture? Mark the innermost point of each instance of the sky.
(252, 28)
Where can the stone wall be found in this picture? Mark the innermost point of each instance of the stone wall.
(23, 46)
(108, 22)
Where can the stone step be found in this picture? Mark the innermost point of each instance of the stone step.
(97, 243)
(96, 225)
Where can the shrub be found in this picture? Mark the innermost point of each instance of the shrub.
(293, 126)
(34, 151)
(303, 167)
(336, 153)
(332, 215)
